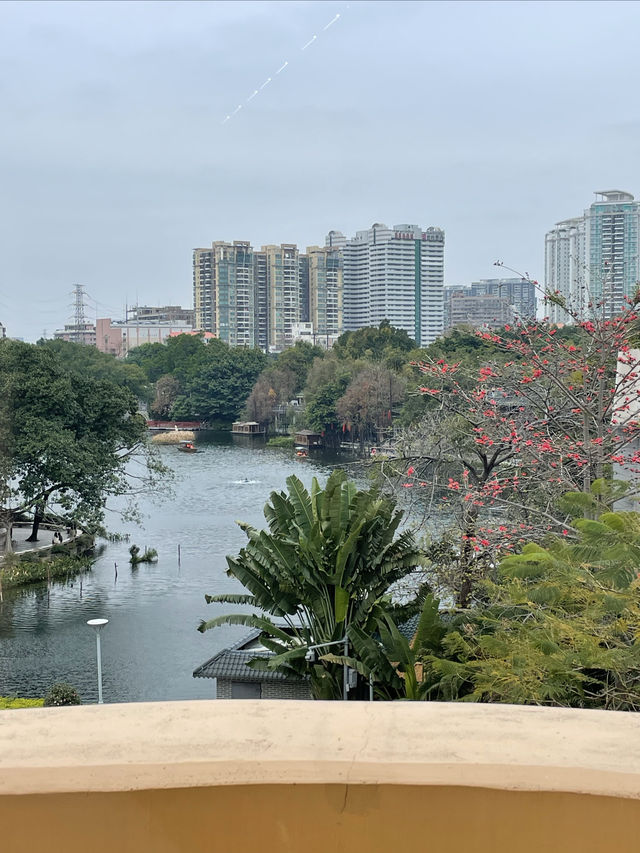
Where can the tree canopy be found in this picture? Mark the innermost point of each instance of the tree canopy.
(374, 343)
(199, 380)
(68, 438)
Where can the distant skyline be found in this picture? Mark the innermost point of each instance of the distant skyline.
(491, 120)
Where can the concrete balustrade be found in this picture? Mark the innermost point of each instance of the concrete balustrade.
(312, 777)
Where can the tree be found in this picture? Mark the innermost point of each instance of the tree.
(70, 440)
(167, 389)
(322, 571)
(274, 387)
(366, 406)
(373, 343)
(556, 626)
(512, 436)
(297, 360)
(89, 361)
(219, 386)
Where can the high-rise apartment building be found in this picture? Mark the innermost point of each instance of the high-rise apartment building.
(394, 274)
(592, 260)
(325, 292)
(519, 294)
(224, 292)
(284, 294)
(255, 298)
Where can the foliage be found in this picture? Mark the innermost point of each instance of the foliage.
(366, 406)
(18, 571)
(281, 441)
(222, 383)
(274, 387)
(321, 571)
(61, 694)
(297, 360)
(167, 389)
(149, 555)
(373, 343)
(82, 360)
(558, 626)
(71, 439)
(513, 435)
(10, 702)
(327, 381)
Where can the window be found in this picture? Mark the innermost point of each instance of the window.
(246, 690)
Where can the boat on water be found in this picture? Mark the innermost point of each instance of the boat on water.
(187, 447)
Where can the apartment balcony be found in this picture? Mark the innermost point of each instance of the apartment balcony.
(287, 777)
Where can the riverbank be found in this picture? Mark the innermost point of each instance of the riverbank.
(33, 569)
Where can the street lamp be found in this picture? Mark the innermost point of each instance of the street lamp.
(309, 655)
(98, 625)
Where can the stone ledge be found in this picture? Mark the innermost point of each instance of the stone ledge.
(173, 745)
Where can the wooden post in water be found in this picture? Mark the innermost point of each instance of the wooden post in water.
(115, 567)
(178, 556)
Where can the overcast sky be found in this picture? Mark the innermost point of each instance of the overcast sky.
(491, 120)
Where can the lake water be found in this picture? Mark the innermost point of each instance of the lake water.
(151, 646)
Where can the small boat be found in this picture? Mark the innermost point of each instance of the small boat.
(187, 447)
(301, 453)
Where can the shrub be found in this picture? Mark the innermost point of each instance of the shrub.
(62, 694)
(281, 441)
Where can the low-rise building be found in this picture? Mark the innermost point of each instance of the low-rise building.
(234, 679)
(118, 337)
(77, 333)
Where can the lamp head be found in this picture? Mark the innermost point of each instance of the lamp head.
(97, 623)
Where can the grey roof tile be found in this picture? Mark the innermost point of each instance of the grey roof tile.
(232, 664)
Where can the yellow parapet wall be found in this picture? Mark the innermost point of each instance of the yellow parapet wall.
(289, 777)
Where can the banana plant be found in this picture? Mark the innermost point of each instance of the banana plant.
(322, 570)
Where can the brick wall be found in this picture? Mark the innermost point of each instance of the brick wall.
(270, 689)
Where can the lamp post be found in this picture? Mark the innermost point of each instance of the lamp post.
(309, 655)
(98, 625)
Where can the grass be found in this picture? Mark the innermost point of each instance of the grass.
(25, 571)
(10, 702)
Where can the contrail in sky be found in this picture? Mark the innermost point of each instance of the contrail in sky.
(257, 91)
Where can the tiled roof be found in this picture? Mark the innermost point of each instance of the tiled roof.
(232, 664)
(408, 629)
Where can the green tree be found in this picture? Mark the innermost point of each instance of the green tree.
(557, 626)
(323, 570)
(69, 440)
(373, 343)
(298, 359)
(218, 389)
(89, 361)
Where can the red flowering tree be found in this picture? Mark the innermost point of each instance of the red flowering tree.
(500, 444)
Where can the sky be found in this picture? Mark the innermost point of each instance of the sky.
(491, 120)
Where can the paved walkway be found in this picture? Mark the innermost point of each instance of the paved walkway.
(19, 536)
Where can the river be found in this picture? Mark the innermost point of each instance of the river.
(151, 646)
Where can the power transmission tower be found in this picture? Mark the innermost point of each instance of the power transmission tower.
(79, 316)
